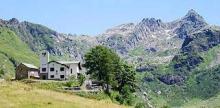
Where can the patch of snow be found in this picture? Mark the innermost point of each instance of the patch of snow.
(167, 31)
(169, 37)
(159, 92)
(153, 36)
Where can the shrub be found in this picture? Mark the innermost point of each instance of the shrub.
(81, 79)
(140, 105)
(93, 95)
(73, 78)
(72, 81)
(126, 97)
(120, 99)
(69, 83)
(113, 95)
(165, 106)
(1, 73)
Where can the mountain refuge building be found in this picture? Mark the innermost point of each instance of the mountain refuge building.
(57, 70)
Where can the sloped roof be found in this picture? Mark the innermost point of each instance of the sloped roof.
(30, 65)
(68, 62)
(59, 63)
(65, 63)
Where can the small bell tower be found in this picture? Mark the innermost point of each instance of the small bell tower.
(44, 59)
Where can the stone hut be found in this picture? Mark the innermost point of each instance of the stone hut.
(26, 71)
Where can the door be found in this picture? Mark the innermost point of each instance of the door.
(44, 77)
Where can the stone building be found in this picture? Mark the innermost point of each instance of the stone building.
(26, 71)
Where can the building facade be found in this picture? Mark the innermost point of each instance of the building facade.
(58, 70)
(26, 71)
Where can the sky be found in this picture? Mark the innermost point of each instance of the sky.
(92, 17)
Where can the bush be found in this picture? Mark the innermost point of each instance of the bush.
(72, 78)
(93, 95)
(81, 79)
(127, 100)
(126, 97)
(130, 99)
(1, 73)
(140, 105)
(120, 99)
(165, 106)
(72, 81)
(113, 95)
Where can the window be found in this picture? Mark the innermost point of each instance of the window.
(51, 69)
(51, 76)
(71, 71)
(62, 69)
(61, 76)
(44, 69)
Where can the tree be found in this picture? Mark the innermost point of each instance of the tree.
(125, 75)
(105, 66)
(101, 63)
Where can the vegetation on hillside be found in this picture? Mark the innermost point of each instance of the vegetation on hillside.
(193, 74)
(13, 51)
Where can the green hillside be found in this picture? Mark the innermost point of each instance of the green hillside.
(19, 95)
(191, 79)
(13, 51)
(209, 103)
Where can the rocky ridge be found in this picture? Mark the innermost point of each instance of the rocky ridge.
(151, 36)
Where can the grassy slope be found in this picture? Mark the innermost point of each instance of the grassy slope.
(19, 95)
(210, 103)
(14, 51)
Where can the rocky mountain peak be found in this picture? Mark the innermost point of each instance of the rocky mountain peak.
(188, 24)
(151, 22)
(193, 16)
(123, 29)
(13, 21)
(192, 11)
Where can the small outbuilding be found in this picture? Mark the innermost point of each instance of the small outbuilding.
(26, 71)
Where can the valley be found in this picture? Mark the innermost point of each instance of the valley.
(177, 62)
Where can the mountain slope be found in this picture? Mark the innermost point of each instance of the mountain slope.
(13, 51)
(152, 37)
(191, 75)
(209, 103)
(39, 37)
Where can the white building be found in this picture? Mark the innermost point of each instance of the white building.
(57, 70)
